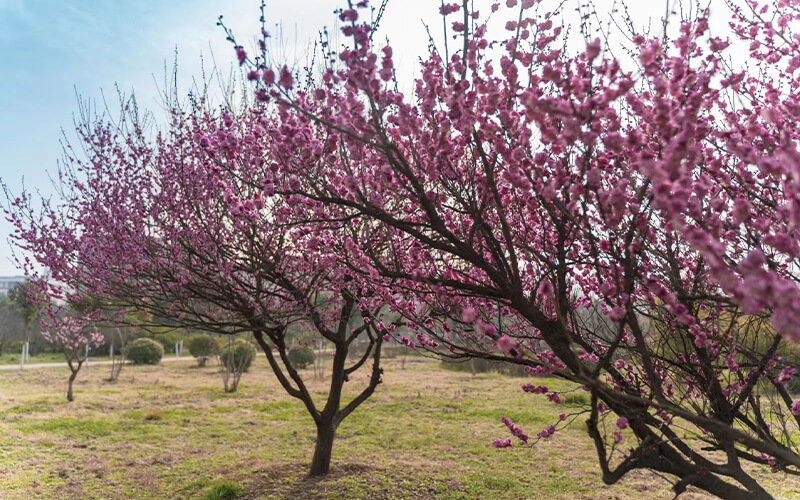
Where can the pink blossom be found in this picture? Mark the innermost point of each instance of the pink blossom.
(617, 314)
(505, 343)
(469, 315)
(515, 431)
(502, 443)
(547, 433)
(535, 389)
(286, 80)
(786, 375)
(449, 8)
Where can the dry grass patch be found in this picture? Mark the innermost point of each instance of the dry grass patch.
(170, 432)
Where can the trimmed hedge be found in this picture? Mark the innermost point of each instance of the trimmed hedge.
(145, 351)
(202, 346)
(242, 352)
(301, 357)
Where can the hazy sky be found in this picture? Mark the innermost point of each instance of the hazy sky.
(51, 49)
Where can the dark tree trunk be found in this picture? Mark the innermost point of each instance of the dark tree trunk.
(321, 463)
(70, 396)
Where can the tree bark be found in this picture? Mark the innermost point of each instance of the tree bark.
(70, 396)
(321, 463)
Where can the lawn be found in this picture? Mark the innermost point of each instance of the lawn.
(9, 358)
(12, 358)
(170, 432)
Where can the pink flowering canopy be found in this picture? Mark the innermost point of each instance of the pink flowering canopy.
(625, 223)
(165, 223)
(73, 335)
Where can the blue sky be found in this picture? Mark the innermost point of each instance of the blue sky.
(49, 50)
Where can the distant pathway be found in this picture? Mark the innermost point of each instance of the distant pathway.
(90, 363)
(93, 362)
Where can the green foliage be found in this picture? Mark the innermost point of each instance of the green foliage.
(478, 365)
(15, 346)
(202, 346)
(301, 357)
(71, 426)
(226, 490)
(20, 295)
(145, 351)
(167, 340)
(241, 355)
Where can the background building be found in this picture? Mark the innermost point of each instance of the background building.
(9, 282)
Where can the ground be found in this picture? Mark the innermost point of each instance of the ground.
(169, 432)
(12, 358)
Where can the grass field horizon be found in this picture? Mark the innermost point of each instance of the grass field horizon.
(169, 431)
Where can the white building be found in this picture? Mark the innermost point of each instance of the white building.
(9, 282)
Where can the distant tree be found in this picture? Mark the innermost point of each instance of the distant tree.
(202, 346)
(28, 297)
(74, 336)
(169, 245)
(12, 324)
(236, 355)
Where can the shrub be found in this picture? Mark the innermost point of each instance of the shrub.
(145, 351)
(227, 490)
(202, 346)
(242, 352)
(478, 365)
(301, 357)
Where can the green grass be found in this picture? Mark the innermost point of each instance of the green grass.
(226, 490)
(13, 358)
(70, 426)
(170, 432)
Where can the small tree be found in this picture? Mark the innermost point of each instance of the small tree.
(202, 347)
(118, 346)
(235, 357)
(28, 298)
(75, 336)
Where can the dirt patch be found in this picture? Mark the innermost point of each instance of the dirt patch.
(291, 481)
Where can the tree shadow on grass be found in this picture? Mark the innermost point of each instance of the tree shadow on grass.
(345, 480)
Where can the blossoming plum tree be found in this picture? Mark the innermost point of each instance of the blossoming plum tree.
(632, 230)
(74, 336)
(625, 223)
(153, 224)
